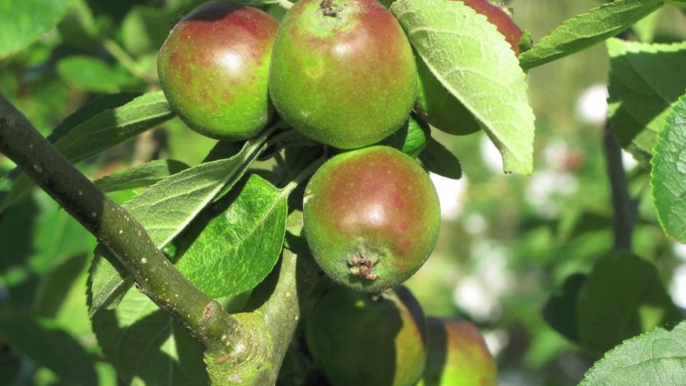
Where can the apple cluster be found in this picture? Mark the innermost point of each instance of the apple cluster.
(342, 73)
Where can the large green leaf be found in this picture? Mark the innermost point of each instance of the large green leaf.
(654, 358)
(46, 343)
(100, 132)
(23, 22)
(668, 175)
(240, 241)
(165, 210)
(588, 29)
(645, 81)
(622, 297)
(473, 61)
(146, 346)
(141, 175)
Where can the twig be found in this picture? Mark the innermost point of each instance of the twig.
(624, 207)
(120, 232)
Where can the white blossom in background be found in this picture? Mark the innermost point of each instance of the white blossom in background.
(472, 296)
(517, 378)
(679, 251)
(591, 107)
(554, 153)
(496, 340)
(475, 224)
(677, 288)
(451, 195)
(479, 294)
(628, 160)
(490, 154)
(546, 187)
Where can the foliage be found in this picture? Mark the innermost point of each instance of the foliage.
(537, 260)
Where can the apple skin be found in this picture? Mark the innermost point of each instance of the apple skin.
(344, 75)
(435, 104)
(458, 355)
(367, 340)
(214, 69)
(497, 16)
(371, 218)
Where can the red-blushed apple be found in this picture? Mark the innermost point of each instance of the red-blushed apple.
(458, 355)
(342, 72)
(371, 218)
(214, 68)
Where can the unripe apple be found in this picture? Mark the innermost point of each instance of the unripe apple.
(342, 72)
(435, 104)
(367, 340)
(371, 218)
(214, 68)
(458, 355)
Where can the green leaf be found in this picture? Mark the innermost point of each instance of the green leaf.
(646, 27)
(588, 29)
(37, 236)
(411, 138)
(418, 133)
(112, 127)
(55, 286)
(654, 358)
(90, 110)
(437, 159)
(622, 297)
(668, 174)
(91, 74)
(141, 175)
(60, 295)
(46, 343)
(146, 346)
(145, 28)
(166, 209)
(240, 240)
(473, 61)
(645, 81)
(101, 132)
(560, 310)
(23, 22)
(79, 27)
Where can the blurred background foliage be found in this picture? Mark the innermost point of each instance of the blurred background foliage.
(508, 243)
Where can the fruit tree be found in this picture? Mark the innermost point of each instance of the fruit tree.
(342, 192)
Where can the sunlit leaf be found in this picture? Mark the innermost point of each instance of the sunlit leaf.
(668, 175)
(473, 61)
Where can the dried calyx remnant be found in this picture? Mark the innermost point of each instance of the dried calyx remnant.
(362, 267)
(328, 9)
